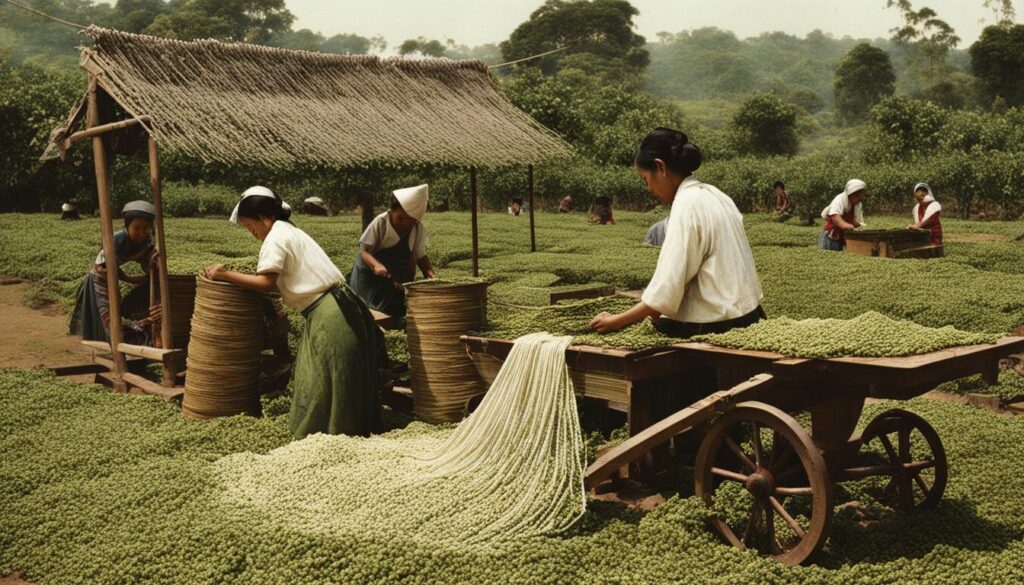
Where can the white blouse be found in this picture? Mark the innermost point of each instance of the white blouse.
(841, 206)
(381, 235)
(705, 271)
(304, 271)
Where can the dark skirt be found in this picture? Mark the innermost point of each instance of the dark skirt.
(683, 330)
(377, 292)
(87, 319)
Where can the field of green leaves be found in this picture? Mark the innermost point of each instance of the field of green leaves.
(105, 488)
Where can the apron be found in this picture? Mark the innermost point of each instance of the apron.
(337, 384)
(934, 226)
(378, 292)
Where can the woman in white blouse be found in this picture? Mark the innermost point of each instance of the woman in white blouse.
(705, 280)
(336, 388)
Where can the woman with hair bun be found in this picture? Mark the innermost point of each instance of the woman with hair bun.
(337, 385)
(705, 280)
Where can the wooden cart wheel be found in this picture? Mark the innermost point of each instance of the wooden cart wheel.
(916, 459)
(758, 460)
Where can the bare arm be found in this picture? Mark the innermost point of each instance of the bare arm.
(426, 267)
(262, 283)
(377, 268)
(839, 222)
(606, 322)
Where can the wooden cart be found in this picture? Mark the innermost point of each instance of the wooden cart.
(754, 448)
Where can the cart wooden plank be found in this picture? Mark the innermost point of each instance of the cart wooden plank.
(629, 364)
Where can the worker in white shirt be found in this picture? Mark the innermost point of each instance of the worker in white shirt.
(705, 280)
(390, 250)
(845, 212)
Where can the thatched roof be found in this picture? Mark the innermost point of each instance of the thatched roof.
(241, 103)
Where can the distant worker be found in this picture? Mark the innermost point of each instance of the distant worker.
(69, 210)
(602, 213)
(846, 212)
(336, 386)
(656, 234)
(567, 205)
(926, 213)
(391, 248)
(783, 204)
(314, 206)
(516, 207)
(134, 243)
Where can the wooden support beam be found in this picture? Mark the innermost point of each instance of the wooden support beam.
(146, 386)
(99, 153)
(474, 203)
(79, 369)
(166, 335)
(94, 131)
(529, 187)
(155, 354)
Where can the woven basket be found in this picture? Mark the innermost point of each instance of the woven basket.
(443, 377)
(223, 351)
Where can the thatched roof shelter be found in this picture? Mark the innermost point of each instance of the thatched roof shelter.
(240, 103)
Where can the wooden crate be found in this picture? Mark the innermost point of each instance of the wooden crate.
(892, 243)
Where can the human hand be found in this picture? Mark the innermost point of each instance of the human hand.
(214, 271)
(604, 322)
(381, 271)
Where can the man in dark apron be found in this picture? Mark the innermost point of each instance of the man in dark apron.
(390, 250)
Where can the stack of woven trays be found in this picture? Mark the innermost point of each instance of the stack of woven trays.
(224, 351)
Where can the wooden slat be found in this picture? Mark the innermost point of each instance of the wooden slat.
(145, 385)
(151, 353)
(79, 369)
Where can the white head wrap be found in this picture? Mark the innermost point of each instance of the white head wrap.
(413, 200)
(854, 185)
(929, 198)
(256, 191)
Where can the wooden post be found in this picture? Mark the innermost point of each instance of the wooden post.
(99, 155)
(474, 203)
(166, 335)
(529, 184)
(366, 202)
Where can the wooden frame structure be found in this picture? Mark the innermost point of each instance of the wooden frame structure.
(210, 100)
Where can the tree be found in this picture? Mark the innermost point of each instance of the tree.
(1004, 11)
(997, 61)
(928, 38)
(863, 78)
(766, 126)
(602, 28)
(351, 44)
(421, 46)
(904, 128)
(254, 21)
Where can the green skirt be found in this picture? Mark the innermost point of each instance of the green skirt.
(337, 371)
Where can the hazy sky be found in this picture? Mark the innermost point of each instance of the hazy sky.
(475, 22)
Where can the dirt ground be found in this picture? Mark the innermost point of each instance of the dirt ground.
(30, 337)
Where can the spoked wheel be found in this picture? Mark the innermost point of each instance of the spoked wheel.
(766, 482)
(916, 459)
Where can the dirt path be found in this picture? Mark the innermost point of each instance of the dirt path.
(30, 337)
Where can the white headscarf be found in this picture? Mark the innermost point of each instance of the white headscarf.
(929, 198)
(256, 191)
(413, 200)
